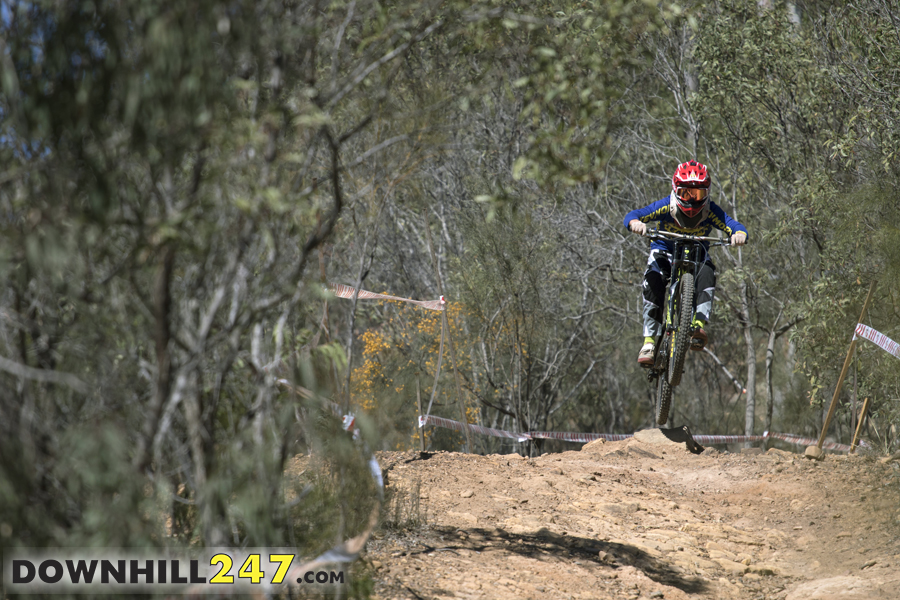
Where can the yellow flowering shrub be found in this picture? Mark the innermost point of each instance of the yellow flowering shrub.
(395, 352)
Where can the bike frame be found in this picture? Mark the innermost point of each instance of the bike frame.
(689, 255)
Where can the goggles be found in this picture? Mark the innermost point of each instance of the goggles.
(686, 194)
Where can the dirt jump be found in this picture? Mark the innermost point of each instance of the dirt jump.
(642, 518)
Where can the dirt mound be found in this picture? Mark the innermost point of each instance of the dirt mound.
(642, 518)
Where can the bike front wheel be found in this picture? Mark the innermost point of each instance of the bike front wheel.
(663, 389)
(681, 337)
(663, 399)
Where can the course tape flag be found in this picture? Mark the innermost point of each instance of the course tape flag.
(784, 437)
(522, 437)
(457, 426)
(346, 291)
(567, 436)
(879, 339)
(616, 437)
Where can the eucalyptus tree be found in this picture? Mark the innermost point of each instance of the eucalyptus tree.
(171, 171)
(780, 97)
(852, 206)
(523, 152)
(756, 96)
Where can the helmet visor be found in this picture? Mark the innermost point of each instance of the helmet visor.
(686, 194)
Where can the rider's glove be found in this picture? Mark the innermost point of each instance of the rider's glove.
(739, 238)
(637, 226)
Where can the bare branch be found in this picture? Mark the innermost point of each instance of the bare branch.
(43, 375)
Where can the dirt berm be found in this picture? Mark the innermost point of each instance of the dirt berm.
(643, 518)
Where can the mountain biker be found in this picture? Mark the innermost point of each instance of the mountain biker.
(687, 210)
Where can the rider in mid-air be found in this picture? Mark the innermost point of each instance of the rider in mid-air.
(687, 210)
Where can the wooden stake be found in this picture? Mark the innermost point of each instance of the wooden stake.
(837, 389)
(854, 402)
(446, 322)
(419, 405)
(859, 424)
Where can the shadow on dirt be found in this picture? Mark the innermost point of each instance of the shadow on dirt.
(682, 435)
(544, 543)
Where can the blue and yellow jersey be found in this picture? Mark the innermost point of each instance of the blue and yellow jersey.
(659, 211)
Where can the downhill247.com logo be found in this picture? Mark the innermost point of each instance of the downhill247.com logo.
(111, 571)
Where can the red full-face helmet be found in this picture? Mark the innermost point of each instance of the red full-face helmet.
(691, 186)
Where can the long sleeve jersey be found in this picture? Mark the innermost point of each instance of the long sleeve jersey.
(661, 211)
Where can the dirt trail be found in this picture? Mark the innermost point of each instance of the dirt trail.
(643, 519)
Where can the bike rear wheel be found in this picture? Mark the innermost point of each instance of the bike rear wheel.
(681, 337)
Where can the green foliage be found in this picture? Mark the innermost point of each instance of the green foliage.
(791, 103)
(170, 169)
(572, 87)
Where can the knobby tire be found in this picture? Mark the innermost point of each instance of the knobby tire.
(663, 389)
(682, 335)
(663, 399)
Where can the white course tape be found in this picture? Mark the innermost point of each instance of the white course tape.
(521, 437)
(568, 436)
(616, 437)
(346, 291)
(879, 339)
(457, 426)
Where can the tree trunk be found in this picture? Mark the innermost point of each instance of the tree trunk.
(446, 323)
(162, 306)
(770, 397)
(212, 517)
(751, 360)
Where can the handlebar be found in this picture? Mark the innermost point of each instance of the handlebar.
(656, 234)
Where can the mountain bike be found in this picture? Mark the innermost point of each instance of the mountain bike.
(668, 361)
